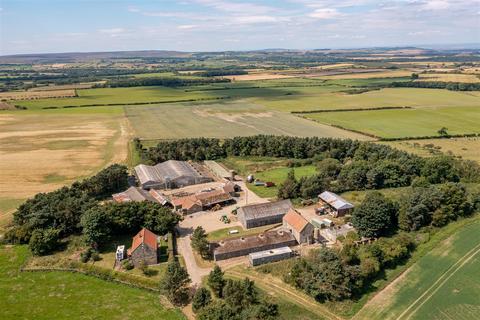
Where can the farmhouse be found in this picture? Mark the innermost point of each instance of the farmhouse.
(301, 229)
(201, 201)
(168, 175)
(144, 248)
(243, 246)
(219, 170)
(133, 194)
(334, 204)
(262, 214)
(258, 258)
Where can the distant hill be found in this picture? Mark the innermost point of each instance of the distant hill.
(87, 56)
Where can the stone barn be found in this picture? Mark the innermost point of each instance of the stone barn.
(144, 248)
(231, 248)
(169, 175)
(262, 214)
(301, 229)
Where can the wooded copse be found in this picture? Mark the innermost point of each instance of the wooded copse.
(45, 219)
(343, 165)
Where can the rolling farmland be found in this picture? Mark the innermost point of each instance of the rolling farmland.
(403, 123)
(441, 285)
(166, 121)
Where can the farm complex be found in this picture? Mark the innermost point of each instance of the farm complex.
(306, 184)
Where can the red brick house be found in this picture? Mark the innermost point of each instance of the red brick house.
(144, 248)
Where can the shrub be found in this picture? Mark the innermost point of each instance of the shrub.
(127, 264)
(43, 242)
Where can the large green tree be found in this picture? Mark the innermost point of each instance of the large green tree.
(375, 216)
(216, 281)
(175, 283)
(200, 242)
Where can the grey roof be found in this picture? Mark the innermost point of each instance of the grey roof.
(269, 253)
(133, 194)
(217, 168)
(255, 241)
(171, 169)
(335, 200)
(262, 210)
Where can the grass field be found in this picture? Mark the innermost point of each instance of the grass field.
(443, 284)
(390, 97)
(220, 120)
(401, 123)
(466, 148)
(61, 295)
(41, 151)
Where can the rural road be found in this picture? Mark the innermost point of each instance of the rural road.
(185, 250)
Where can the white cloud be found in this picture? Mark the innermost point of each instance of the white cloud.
(325, 13)
(254, 19)
(187, 26)
(235, 7)
(113, 31)
(436, 5)
(133, 9)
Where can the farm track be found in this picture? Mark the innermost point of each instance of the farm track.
(285, 291)
(409, 312)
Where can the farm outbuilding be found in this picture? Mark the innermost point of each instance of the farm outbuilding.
(334, 232)
(201, 201)
(301, 229)
(169, 175)
(219, 170)
(243, 246)
(133, 194)
(262, 214)
(273, 255)
(334, 204)
(144, 248)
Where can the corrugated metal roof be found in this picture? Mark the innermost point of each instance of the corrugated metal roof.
(269, 253)
(335, 200)
(267, 238)
(171, 169)
(132, 194)
(262, 210)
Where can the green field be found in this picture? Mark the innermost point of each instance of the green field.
(390, 97)
(402, 123)
(62, 295)
(220, 120)
(443, 284)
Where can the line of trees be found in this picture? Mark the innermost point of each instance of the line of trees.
(162, 81)
(454, 86)
(221, 72)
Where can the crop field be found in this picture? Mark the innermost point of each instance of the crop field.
(167, 121)
(32, 95)
(104, 96)
(405, 122)
(443, 284)
(466, 148)
(62, 295)
(374, 74)
(390, 97)
(449, 77)
(41, 151)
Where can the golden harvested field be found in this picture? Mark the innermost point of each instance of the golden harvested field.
(30, 95)
(259, 76)
(370, 75)
(41, 152)
(467, 148)
(334, 66)
(449, 77)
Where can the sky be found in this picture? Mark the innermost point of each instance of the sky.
(41, 26)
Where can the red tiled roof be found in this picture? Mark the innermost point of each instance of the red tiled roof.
(144, 236)
(295, 220)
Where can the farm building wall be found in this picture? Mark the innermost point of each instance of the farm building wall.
(144, 253)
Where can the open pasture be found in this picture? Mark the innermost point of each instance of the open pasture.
(64, 295)
(466, 148)
(167, 121)
(390, 97)
(102, 96)
(40, 152)
(443, 284)
(403, 123)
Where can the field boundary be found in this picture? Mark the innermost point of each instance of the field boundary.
(349, 110)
